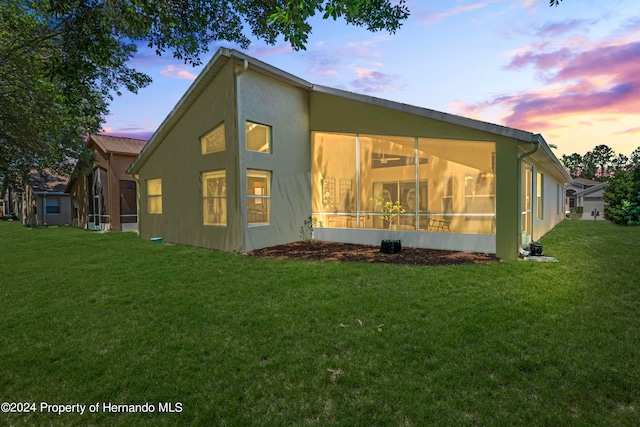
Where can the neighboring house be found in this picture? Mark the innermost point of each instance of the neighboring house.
(576, 186)
(250, 152)
(44, 201)
(106, 198)
(592, 201)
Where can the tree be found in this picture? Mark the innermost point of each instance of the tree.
(61, 61)
(620, 163)
(623, 198)
(602, 156)
(635, 157)
(573, 163)
(589, 166)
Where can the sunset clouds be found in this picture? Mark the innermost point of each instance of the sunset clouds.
(177, 73)
(581, 82)
(603, 80)
(371, 81)
(571, 72)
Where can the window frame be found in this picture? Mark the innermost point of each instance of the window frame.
(269, 132)
(154, 196)
(539, 196)
(57, 205)
(223, 197)
(203, 144)
(257, 199)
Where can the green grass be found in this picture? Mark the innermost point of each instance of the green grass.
(90, 318)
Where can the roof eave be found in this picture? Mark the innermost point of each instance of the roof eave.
(210, 71)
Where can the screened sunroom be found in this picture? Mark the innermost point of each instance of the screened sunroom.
(403, 183)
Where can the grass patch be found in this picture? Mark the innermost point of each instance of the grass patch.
(90, 318)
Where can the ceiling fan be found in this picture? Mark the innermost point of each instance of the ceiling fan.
(385, 159)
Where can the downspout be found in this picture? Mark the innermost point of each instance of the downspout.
(239, 70)
(535, 139)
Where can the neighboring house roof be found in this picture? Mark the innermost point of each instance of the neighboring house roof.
(111, 144)
(586, 182)
(48, 182)
(574, 186)
(592, 189)
(223, 56)
(117, 145)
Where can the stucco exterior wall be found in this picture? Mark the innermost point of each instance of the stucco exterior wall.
(286, 110)
(552, 199)
(179, 161)
(34, 212)
(62, 218)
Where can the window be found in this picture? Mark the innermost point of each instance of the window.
(52, 205)
(214, 197)
(439, 184)
(387, 171)
(539, 194)
(213, 141)
(258, 197)
(154, 196)
(258, 137)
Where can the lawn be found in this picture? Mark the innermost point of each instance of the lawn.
(209, 338)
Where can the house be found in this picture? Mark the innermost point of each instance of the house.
(250, 152)
(591, 199)
(105, 196)
(575, 186)
(43, 200)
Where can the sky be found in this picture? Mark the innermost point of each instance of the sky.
(571, 73)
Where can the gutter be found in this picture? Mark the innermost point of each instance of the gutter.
(535, 139)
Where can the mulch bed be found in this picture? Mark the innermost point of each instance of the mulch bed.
(340, 252)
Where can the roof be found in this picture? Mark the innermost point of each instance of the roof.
(223, 56)
(601, 186)
(586, 181)
(48, 182)
(117, 145)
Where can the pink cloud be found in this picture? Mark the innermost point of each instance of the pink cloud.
(601, 79)
(555, 29)
(177, 73)
(632, 131)
(428, 18)
(330, 60)
(369, 81)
